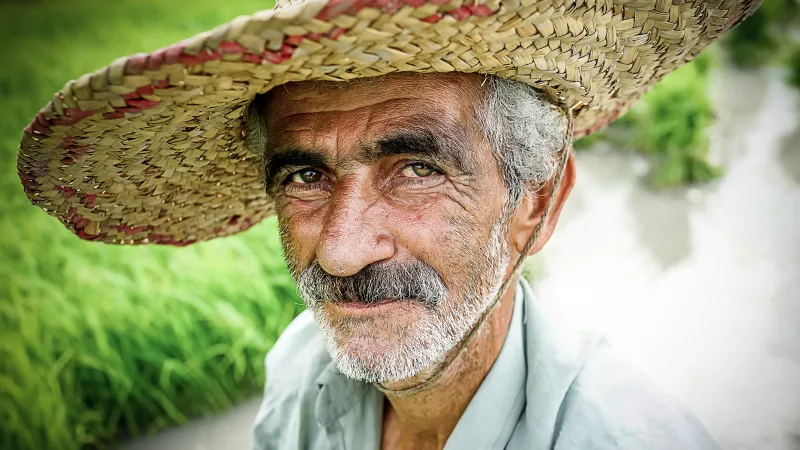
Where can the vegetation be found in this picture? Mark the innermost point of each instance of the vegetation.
(768, 37)
(670, 122)
(100, 341)
(669, 125)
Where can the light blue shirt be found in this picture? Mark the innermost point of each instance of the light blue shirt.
(546, 390)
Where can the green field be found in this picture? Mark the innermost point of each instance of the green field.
(100, 341)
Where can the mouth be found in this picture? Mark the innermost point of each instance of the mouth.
(360, 305)
(367, 309)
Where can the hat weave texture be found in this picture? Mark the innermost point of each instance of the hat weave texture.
(150, 149)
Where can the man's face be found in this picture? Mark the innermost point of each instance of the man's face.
(389, 201)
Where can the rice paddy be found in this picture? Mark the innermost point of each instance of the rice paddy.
(100, 342)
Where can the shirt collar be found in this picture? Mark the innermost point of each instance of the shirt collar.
(337, 394)
(554, 358)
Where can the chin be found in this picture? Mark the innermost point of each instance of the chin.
(384, 347)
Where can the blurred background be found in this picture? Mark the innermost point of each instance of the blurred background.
(681, 243)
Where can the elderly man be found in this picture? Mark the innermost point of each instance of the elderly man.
(405, 202)
(415, 153)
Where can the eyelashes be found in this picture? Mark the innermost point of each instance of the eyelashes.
(300, 180)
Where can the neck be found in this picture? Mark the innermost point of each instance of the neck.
(426, 418)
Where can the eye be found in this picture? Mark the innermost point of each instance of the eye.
(418, 170)
(306, 176)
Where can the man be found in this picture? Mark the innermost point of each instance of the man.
(415, 154)
(404, 202)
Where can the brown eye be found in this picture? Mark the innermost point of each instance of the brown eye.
(418, 170)
(306, 176)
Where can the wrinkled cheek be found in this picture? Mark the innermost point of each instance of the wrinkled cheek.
(458, 244)
(299, 236)
(287, 243)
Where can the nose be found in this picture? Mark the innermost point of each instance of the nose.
(352, 236)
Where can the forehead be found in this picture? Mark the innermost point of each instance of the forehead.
(372, 104)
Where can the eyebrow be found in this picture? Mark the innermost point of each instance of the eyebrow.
(291, 157)
(447, 146)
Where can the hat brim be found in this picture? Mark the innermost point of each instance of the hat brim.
(150, 149)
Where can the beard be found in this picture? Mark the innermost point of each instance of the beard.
(427, 319)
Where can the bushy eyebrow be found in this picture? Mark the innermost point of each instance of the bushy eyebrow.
(446, 145)
(292, 157)
(448, 150)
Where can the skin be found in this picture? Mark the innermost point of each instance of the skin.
(344, 204)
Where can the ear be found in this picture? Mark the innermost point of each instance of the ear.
(530, 211)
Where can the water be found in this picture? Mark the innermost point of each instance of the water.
(699, 287)
(229, 431)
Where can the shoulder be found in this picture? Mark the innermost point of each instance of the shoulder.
(611, 405)
(292, 367)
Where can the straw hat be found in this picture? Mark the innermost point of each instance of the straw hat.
(150, 149)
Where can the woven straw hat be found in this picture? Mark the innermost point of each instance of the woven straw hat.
(150, 149)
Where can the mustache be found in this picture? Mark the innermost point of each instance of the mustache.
(416, 281)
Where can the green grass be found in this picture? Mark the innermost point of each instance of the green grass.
(671, 122)
(669, 125)
(99, 342)
(768, 37)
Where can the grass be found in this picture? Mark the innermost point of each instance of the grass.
(99, 342)
(669, 126)
(767, 37)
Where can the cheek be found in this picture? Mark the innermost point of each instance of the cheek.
(300, 232)
(445, 237)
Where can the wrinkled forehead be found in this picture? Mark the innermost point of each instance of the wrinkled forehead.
(390, 101)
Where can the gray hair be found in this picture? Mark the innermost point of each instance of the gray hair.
(524, 130)
(526, 133)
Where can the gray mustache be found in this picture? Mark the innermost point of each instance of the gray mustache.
(414, 281)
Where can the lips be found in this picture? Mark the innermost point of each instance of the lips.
(361, 305)
(383, 308)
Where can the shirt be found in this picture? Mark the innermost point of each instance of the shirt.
(546, 390)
